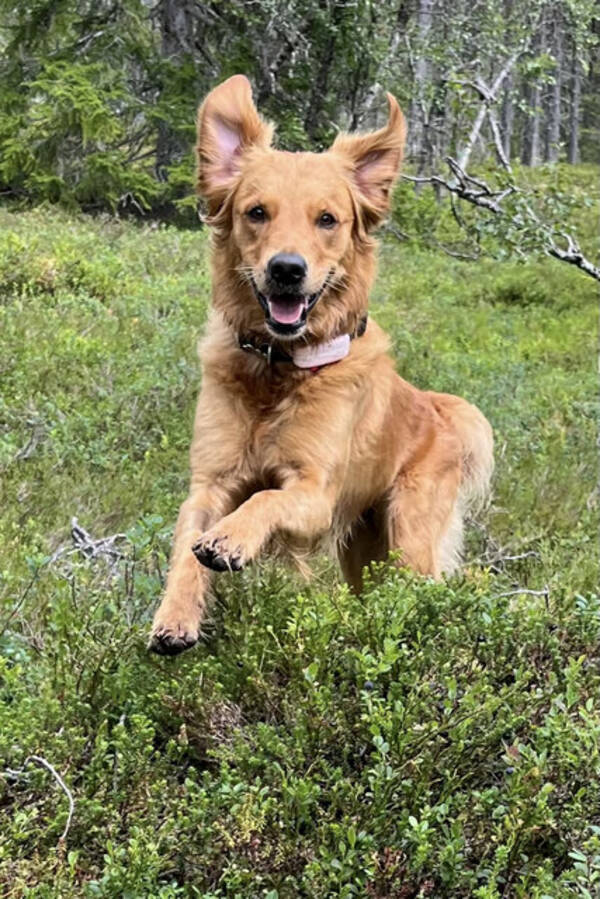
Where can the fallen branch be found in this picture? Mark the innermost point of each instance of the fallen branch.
(93, 549)
(40, 760)
(478, 193)
(85, 544)
(497, 563)
(467, 187)
(545, 592)
(573, 256)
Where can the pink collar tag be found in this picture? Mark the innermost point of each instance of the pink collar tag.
(322, 353)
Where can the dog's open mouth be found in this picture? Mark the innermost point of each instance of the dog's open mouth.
(286, 313)
(287, 310)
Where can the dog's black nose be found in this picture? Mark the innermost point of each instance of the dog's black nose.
(287, 269)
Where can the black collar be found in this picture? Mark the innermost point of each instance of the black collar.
(271, 353)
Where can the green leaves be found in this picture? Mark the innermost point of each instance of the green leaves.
(425, 739)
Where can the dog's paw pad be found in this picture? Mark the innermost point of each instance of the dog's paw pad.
(214, 554)
(165, 641)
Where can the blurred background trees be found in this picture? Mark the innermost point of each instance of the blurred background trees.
(99, 97)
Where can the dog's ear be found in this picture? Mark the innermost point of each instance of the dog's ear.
(375, 160)
(228, 124)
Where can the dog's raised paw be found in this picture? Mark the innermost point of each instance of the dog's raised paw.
(166, 641)
(214, 554)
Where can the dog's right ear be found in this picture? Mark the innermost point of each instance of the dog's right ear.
(228, 124)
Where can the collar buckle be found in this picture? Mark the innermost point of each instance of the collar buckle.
(263, 350)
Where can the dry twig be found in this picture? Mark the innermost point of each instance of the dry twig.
(478, 193)
(40, 760)
(545, 592)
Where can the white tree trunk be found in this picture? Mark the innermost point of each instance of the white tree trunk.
(418, 123)
(573, 154)
(531, 154)
(555, 93)
(489, 97)
(508, 116)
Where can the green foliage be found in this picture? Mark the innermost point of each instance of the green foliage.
(74, 105)
(425, 740)
(98, 100)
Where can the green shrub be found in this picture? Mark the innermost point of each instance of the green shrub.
(425, 740)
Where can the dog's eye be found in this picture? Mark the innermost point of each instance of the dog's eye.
(256, 214)
(326, 220)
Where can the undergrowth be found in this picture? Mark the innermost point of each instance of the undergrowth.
(426, 740)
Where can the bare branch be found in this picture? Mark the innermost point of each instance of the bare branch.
(464, 187)
(21, 601)
(573, 256)
(545, 592)
(40, 760)
(46, 764)
(398, 234)
(92, 549)
(455, 254)
(478, 193)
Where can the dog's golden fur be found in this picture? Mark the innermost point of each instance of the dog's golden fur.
(352, 452)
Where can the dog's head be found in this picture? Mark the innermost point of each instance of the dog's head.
(293, 251)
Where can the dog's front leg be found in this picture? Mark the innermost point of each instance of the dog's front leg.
(177, 620)
(303, 507)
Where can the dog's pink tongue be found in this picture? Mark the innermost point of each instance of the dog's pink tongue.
(286, 312)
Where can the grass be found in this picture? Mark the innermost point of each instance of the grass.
(427, 740)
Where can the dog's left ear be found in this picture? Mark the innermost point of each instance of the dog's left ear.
(228, 125)
(375, 160)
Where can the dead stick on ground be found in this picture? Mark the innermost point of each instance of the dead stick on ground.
(545, 592)
(40, 760)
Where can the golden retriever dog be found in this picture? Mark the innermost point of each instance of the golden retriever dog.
(303, 429)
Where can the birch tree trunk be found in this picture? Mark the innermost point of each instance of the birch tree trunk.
(530, 150)
(534, 144)
(508, 106)
(554, 106)
(422, 72)
(573, 152)
(508, 116)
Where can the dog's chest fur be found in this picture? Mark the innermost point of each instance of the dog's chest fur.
(279, 419)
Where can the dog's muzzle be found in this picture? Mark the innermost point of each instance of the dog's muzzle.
(286, 310)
